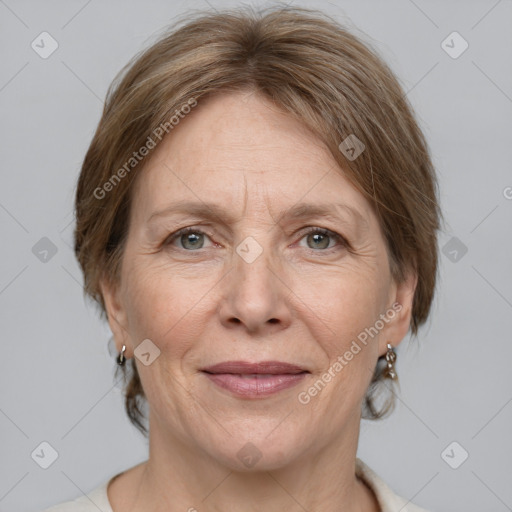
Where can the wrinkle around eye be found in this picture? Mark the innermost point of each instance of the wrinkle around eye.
(340, 241)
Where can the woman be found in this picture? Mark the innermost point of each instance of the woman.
(256, 218)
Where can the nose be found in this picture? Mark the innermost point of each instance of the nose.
(255, 298)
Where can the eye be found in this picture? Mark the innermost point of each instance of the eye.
(319, 239)
(190, 238)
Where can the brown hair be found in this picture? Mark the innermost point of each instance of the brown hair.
(312, 68)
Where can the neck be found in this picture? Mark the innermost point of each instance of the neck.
(182, 478)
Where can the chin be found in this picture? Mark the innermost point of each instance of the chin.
(258, 453)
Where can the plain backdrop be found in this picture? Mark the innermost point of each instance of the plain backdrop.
(56, 372)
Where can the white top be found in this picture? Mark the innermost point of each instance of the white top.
(97, 499)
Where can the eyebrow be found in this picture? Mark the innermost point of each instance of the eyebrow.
(214, 211)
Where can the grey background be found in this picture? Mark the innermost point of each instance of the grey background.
(56, 373)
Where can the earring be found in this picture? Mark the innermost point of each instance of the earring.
(120, 358)
(390, 372)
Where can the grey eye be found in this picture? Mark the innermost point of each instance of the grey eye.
(319, 240)
(192, 240)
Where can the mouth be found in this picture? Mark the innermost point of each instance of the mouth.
(254, 380)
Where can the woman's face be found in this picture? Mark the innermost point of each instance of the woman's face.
(253, 281)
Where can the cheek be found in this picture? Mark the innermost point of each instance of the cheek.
(164, 308)
(350, 354)
(346, 304)
(340, 302)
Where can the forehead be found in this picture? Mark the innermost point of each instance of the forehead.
(243, 152)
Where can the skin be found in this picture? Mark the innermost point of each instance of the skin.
(302, 301)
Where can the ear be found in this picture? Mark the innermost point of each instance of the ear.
(116, 313)
(401, 302)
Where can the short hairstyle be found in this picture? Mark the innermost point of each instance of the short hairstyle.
(310, 67)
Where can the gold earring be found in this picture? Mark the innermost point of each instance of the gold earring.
(390, 372)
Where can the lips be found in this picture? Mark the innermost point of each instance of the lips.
(264, 367)
(254, 380)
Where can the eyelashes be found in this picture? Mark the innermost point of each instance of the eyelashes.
(324, 234)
